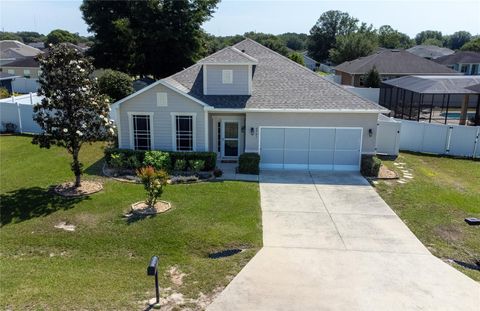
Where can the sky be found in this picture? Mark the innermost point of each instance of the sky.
(275, 16)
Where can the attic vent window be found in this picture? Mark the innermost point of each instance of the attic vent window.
(227, 76)
(162, 100)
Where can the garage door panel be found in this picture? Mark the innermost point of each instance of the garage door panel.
(296, 138)
(311, 148)
(322, 139)
(347, 139)
(272, 138)
(296, 157)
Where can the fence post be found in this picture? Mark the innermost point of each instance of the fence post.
(449, 138)
(476, 143)
(19, 118)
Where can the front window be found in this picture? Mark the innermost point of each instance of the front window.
(141, 132)
(464, 68)
(184, 133)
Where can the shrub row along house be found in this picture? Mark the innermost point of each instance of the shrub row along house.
(248, 98)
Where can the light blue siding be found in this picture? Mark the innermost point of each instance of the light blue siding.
(162, 118)
(240, 80)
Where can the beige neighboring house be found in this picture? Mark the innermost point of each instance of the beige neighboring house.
(28, 68)
(12, 50)
(390, 64)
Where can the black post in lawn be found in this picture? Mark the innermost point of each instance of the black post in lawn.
(152, 270)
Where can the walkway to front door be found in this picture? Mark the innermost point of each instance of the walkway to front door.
(331, 243)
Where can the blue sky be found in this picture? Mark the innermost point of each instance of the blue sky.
(239, 16)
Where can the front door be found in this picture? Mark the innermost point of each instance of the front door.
(230, 131)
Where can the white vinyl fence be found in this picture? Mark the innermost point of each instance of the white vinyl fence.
(24, 85)
(388, 136)
(19, 111)
(456, 140)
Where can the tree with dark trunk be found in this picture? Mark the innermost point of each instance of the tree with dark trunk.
(72, 112)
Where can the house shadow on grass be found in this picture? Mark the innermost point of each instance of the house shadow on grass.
(96, 169)
(27, 203)
(133, 218)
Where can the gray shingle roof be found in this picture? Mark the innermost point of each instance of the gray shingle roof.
(394, 62)
(229, 55)
(430, 51)
(437, 84)
(24, 62)
(466, 57)
(13, 48)
(278, 83)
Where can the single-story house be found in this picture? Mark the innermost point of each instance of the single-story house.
(437, 99)
(248, 98)
(430, 51)
(27, 67)
(6, 81)
(467, 62)
(390, 64)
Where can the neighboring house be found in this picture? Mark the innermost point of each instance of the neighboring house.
(390, 64)
(439, 99)
(430, 51)
(6, 81)
(248, 98)
(12, 50)
(466, 62)
(28, 68)
(37, 45)
(309, 62)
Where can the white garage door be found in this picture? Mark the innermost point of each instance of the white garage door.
(310, 148)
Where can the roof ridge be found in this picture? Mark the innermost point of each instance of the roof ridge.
(310, 71)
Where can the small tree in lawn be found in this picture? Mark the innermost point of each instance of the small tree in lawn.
(73, 112)
(153, 181)
(372, 78)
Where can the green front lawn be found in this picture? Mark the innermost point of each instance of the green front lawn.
(102, 264)
(435, 202)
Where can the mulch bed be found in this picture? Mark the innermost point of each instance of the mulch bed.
(87, 187)
(386, 173)
(141, 208)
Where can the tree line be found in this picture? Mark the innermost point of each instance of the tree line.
(158, 38)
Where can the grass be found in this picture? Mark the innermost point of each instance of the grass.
(102, 264)
(435, 202)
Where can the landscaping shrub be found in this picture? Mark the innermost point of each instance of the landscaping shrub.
(153, 182)
(249, 163)
(180, 165)
(117, 160)
(370, 165)
(132, 162)
(217, 172)
(196, 165)
(209, 158)
(158, 159)
(9, 127)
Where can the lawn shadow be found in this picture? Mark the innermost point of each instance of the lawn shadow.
(27, 203)
(96, 168)
(133, 218)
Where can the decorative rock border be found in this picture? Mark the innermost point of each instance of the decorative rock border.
(87, 187)
(107, 174)
(140, 208)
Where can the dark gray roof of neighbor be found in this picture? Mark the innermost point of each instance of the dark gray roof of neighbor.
(430, 51)
(29, 62)
(229, 55)
(466, 57)
(394, 62)
(278, 83)
(437, 84)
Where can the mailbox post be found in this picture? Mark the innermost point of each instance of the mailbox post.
(153, 271)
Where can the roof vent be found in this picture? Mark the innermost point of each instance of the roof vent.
(243, 51)
(395, 50)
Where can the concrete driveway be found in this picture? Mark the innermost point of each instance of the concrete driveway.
(331, 243)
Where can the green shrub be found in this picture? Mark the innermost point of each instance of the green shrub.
(132, 162)
(196, 165)
(116, 160)
(370, 166)
(249, 163)
(180, 165)
(158, 159)
(210, 158)
(217, 172)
